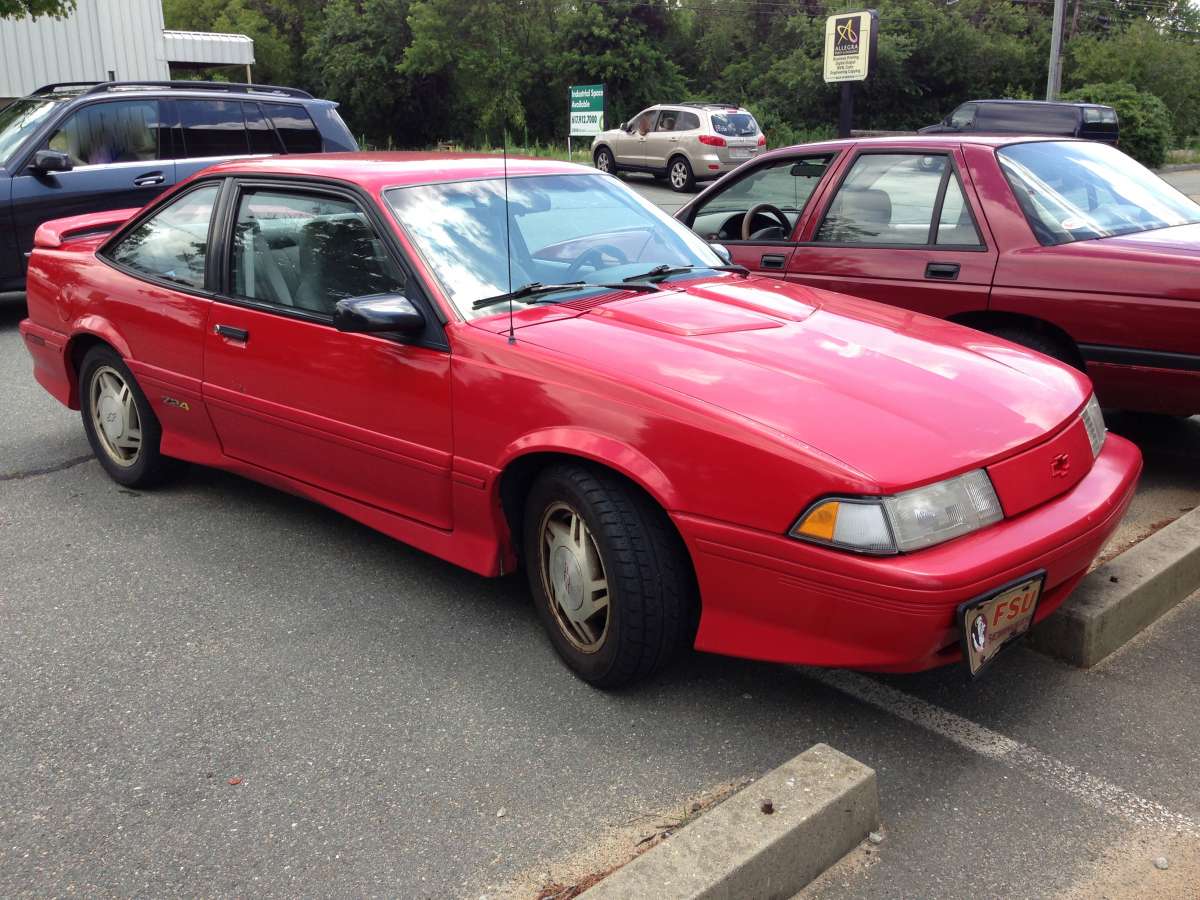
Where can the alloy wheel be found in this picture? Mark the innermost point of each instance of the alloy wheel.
(115, 416)
(679, 175)
(574, 579)
(602, 162)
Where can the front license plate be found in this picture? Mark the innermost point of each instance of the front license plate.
(990, 623)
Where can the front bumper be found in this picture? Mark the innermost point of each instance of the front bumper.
(769, 597)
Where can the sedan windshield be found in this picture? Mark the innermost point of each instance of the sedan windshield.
(1077, 191)
(560, 229)
(19, 119)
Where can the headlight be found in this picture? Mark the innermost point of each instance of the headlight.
(1093, 421)
(904, 522)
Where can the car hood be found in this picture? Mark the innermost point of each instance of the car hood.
(898, 397)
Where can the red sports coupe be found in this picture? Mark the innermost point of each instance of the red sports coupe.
(677, 452)
(1068, 247)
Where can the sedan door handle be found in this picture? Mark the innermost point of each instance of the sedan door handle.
(234, 334)
(944, 271)
(149, 179)
(772, 261)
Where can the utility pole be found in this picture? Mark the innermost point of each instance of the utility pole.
(1054, 75)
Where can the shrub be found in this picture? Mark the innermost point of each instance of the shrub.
(1145, 120)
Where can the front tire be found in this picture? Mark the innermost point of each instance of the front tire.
(680, 175)
(120, 425)
(610, 578)
(604, 161)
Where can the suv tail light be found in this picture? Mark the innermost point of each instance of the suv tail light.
(713, 140)
(762, 140)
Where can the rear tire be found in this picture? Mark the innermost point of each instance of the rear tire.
(119, 422)
(1034, 340)
(610, 577)
(680, 175)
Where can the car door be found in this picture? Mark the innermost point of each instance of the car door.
(120, 155)
(785, 183)
(662, 140)
(902, 227)
(632, 149)
(361, 415)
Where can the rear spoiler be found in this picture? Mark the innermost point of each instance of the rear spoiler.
(58, 231)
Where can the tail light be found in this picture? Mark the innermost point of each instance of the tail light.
(762, 140)
(713, 140)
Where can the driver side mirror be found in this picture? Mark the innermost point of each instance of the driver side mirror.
(52, 161)
(722, 251)
(378, 312)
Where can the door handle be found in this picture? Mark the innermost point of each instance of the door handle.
(772, 261)
(944, 271)
(234, 334)
(149, 179)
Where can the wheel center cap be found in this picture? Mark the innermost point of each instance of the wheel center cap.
(111, 418)
(567, 577)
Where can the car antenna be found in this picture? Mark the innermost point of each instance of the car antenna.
(512, 339)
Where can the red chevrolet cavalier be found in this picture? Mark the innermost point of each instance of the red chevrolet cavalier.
(676, 452)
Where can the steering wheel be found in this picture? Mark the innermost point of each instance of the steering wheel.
(765, 208)
(594, 256)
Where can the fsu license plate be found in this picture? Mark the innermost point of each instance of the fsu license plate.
(990, 623)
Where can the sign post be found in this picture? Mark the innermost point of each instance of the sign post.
(586, 111)
(850, 42)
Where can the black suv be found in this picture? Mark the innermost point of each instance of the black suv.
(1081, 120)
(69, 149)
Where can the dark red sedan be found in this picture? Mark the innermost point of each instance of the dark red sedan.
(677, 452)
(1068, 247)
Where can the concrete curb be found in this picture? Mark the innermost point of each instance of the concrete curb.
(1178, 167)
(824, 804)
(1125, 595)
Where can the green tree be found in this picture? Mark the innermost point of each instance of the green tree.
(19, 9)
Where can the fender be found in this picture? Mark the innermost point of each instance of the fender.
(85, 327)
(600, 448)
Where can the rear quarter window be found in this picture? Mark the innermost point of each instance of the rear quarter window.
(213, 128)
(295, 127)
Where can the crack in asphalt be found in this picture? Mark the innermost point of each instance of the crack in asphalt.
(47, 470)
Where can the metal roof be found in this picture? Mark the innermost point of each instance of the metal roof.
(208, 48)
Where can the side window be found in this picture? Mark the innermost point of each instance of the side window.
(956, 225)
(114, 132)
(666, 120)
(213, 128)
(307, 251)
(173, 243)
(645, 122)
(687, 122)
(963, 117)
(259, 130)
(887, 198)
(295, 127)
(786, 184)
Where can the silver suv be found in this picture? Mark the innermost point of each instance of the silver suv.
(682, 142)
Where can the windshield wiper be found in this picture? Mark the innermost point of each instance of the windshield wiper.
(664, 270)
(526, 292)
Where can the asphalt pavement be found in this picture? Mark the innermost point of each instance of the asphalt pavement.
(216, 688)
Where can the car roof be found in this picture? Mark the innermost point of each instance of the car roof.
(376, 171)
(1041, 103)
(932, 141)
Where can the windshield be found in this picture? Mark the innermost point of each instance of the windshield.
(562, 228)
(20, 119)
(1084, 190)
(734, 124)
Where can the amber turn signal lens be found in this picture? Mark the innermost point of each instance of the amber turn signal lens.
(820, 522)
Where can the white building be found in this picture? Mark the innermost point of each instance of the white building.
(108, 40)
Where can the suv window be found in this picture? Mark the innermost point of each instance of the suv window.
(645, 122)
(213, 128)
(258, 129)
(963, 117)
(172, 244)
(280, 234)
(687, 121)
(892, 198)
(666, 120)
(1031, 117)
(114, 132)
(295, 127)
(734, 124)
(20, 119)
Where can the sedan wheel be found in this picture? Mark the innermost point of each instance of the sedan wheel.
(610, 577)
(120, 425)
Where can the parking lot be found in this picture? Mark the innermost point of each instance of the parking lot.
(217, 688)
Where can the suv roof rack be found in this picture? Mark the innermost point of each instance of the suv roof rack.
(100, 87)
(51, 88)
(706, 104)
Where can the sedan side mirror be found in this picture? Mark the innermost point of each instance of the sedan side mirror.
(378, 312)
(52, 161)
